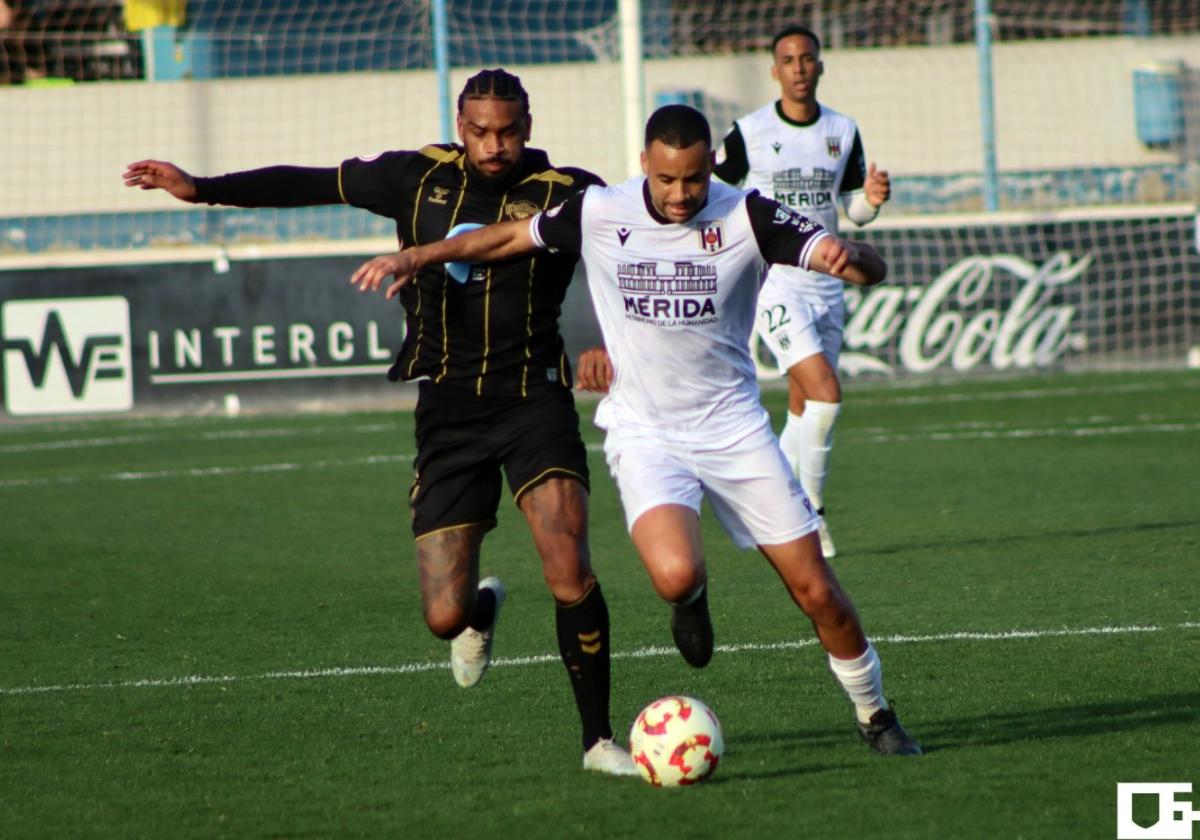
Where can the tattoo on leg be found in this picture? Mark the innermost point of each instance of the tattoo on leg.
(557, 507)
(556, 511)
(448, 563)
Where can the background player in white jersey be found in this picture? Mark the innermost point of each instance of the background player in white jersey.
(673, 264)
(805, 155)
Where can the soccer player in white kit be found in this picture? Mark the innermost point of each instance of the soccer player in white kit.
(804, 154)
(673, 263)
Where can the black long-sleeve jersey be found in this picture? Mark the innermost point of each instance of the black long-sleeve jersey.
(496, 332)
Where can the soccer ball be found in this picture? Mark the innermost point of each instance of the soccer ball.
(676, 740)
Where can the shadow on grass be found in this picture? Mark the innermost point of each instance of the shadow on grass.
(1059, 722)
(990, 729)
(724, 775)
(791, 739)
(1028, 536)
(793, 742)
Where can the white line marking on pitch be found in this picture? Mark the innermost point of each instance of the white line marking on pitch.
(640, 653)
(1024, 394)
(857, 436)
(208, 472)
(1019, 434)
(874, 396)
(218, 434)
(984, 429)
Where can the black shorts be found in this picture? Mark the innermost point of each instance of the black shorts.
(463, 441)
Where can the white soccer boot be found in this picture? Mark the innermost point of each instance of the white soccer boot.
(606, 756)
(827, 547)
(471, 650)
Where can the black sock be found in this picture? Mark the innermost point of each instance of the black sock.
(485, 610)
(582, 630)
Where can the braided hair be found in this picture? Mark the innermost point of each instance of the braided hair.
(494, 84)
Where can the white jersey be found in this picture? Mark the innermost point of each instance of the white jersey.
(677, 302)
(807, 167)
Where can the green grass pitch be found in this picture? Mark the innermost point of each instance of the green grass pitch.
(211, 627)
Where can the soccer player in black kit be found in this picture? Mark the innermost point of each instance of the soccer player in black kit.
(495, 388)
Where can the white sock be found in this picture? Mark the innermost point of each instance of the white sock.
(815, 436)
(790, 441)
(862, 680)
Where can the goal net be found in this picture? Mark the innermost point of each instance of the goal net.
(1096, 105)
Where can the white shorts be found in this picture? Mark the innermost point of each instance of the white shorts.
(748, 483)
(795, 329)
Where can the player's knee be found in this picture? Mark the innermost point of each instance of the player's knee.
(828, 391)
(818, 598)
(445, 623)
(676, 579)
(567, 572)
(820, 384)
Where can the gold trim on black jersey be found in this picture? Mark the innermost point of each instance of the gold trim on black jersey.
(551, 175)
(487, 311)
(441, 155)
(529, 291)
(462, 192)
(427, 151)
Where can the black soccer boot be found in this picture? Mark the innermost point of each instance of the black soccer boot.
(691, 627)
(884, 734)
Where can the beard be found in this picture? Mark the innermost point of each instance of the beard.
(499, 176)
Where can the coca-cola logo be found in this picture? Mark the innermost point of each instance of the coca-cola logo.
(949, 322)
(999, 310)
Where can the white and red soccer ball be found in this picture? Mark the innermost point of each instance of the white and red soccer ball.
(676, 740)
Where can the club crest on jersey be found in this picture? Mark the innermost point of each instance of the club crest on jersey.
(833, 145)
(520, 210)
(711, 239)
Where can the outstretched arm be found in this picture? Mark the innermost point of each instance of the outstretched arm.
(854, 262)
(161, 175)
(493, 243)
(272, 186)
(787, 238)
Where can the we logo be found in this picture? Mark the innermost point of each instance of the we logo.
(69, 355)
(1173, 818)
